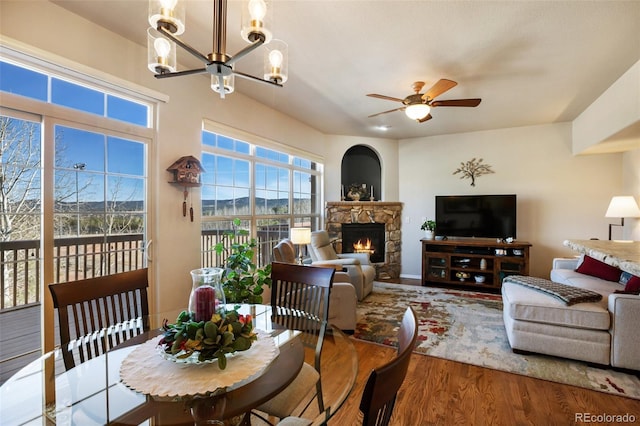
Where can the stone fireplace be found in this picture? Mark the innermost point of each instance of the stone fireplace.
(364, 238)
(380, 216)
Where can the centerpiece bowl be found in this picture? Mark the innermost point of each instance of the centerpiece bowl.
(195, 342)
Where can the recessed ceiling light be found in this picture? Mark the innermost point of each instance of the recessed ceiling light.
(383, 128)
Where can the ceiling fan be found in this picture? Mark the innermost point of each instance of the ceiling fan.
(418, 106)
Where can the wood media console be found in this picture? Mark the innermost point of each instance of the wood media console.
(478, 263)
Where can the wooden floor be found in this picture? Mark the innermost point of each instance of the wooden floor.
(442, 392)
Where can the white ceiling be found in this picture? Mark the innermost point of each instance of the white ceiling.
(531, 62)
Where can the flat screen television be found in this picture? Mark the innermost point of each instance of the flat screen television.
(480, 216)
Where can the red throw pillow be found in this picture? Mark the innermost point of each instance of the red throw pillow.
(596, 268)
(633, 285)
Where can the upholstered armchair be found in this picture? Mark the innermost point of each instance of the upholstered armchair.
(342, 304)
(361, 271)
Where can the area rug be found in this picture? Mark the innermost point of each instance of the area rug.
(467, 327)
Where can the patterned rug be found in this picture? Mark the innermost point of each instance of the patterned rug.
(467, 327)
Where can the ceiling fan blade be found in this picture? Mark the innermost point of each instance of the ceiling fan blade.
(384, 112)
(439, 88)
(388, 98)
(457, 103)
(422, 120)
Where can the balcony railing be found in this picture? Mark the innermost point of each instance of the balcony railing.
(88, 257)
(267, 237)
(74, 258)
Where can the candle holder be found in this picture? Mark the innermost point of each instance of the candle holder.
(207, 296)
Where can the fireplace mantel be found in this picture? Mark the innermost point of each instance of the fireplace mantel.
(387, 212)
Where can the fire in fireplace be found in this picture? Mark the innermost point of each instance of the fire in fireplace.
(364, 238)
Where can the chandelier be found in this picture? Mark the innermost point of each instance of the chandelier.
(167, 23)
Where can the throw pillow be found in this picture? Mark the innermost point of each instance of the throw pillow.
(596, 268)
(633, 284)
(624, 278)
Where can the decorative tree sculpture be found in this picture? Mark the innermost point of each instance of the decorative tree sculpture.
(473, 169)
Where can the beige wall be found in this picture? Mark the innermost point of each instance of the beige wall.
(631, 186)
(560, 196)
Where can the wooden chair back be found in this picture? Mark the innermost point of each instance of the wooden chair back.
(96, 314)
(381, 389)
(300, 301)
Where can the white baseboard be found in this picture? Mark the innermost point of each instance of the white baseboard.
(412, 277)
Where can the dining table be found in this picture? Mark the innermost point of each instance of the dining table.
(134, 383)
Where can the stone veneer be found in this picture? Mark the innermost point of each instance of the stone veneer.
(389, 213)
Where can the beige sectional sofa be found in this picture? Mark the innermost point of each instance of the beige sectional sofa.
(603, 332)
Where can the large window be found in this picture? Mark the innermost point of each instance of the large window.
(269, 189)
(20, 80)
(73, 187)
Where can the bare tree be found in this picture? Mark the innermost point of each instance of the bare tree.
(19, 179)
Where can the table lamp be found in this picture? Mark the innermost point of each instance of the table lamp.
(299, 237)
(622, 206)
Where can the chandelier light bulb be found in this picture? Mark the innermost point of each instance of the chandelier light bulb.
(257, 9)
(162, 47)
(275, 58)
(168, 4)
(276, 61)
(168, 14)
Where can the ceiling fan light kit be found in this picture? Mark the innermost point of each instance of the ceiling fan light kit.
(167, 20)
(418, 106)
(417, 111)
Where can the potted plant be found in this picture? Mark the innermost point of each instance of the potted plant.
(429, 227)
(242, 280)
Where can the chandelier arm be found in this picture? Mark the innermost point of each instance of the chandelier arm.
(259, 42)
(181, 73)
(182, 44)
(251, 77)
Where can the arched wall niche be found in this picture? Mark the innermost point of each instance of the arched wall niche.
(361, 165)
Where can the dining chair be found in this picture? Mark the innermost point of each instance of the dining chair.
(300, 301)
(342, 309)
(380, 392)
(96, 314)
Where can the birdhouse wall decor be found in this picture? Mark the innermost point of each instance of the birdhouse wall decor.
(186, 172)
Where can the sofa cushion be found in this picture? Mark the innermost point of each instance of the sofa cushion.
(526, 304)
(569, 294)
(596, 268)
(571, 277)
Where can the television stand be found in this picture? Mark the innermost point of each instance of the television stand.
(457, 262)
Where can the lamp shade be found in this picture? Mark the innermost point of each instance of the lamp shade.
(417, 111)
(228, 81)
(276, 66)
(256, 20)
(169, 14)
(623, 206)
(161, 53)
(300, 235)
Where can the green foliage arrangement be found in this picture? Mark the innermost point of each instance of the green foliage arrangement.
(428, 225)
(211, 340)
(242, 280)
